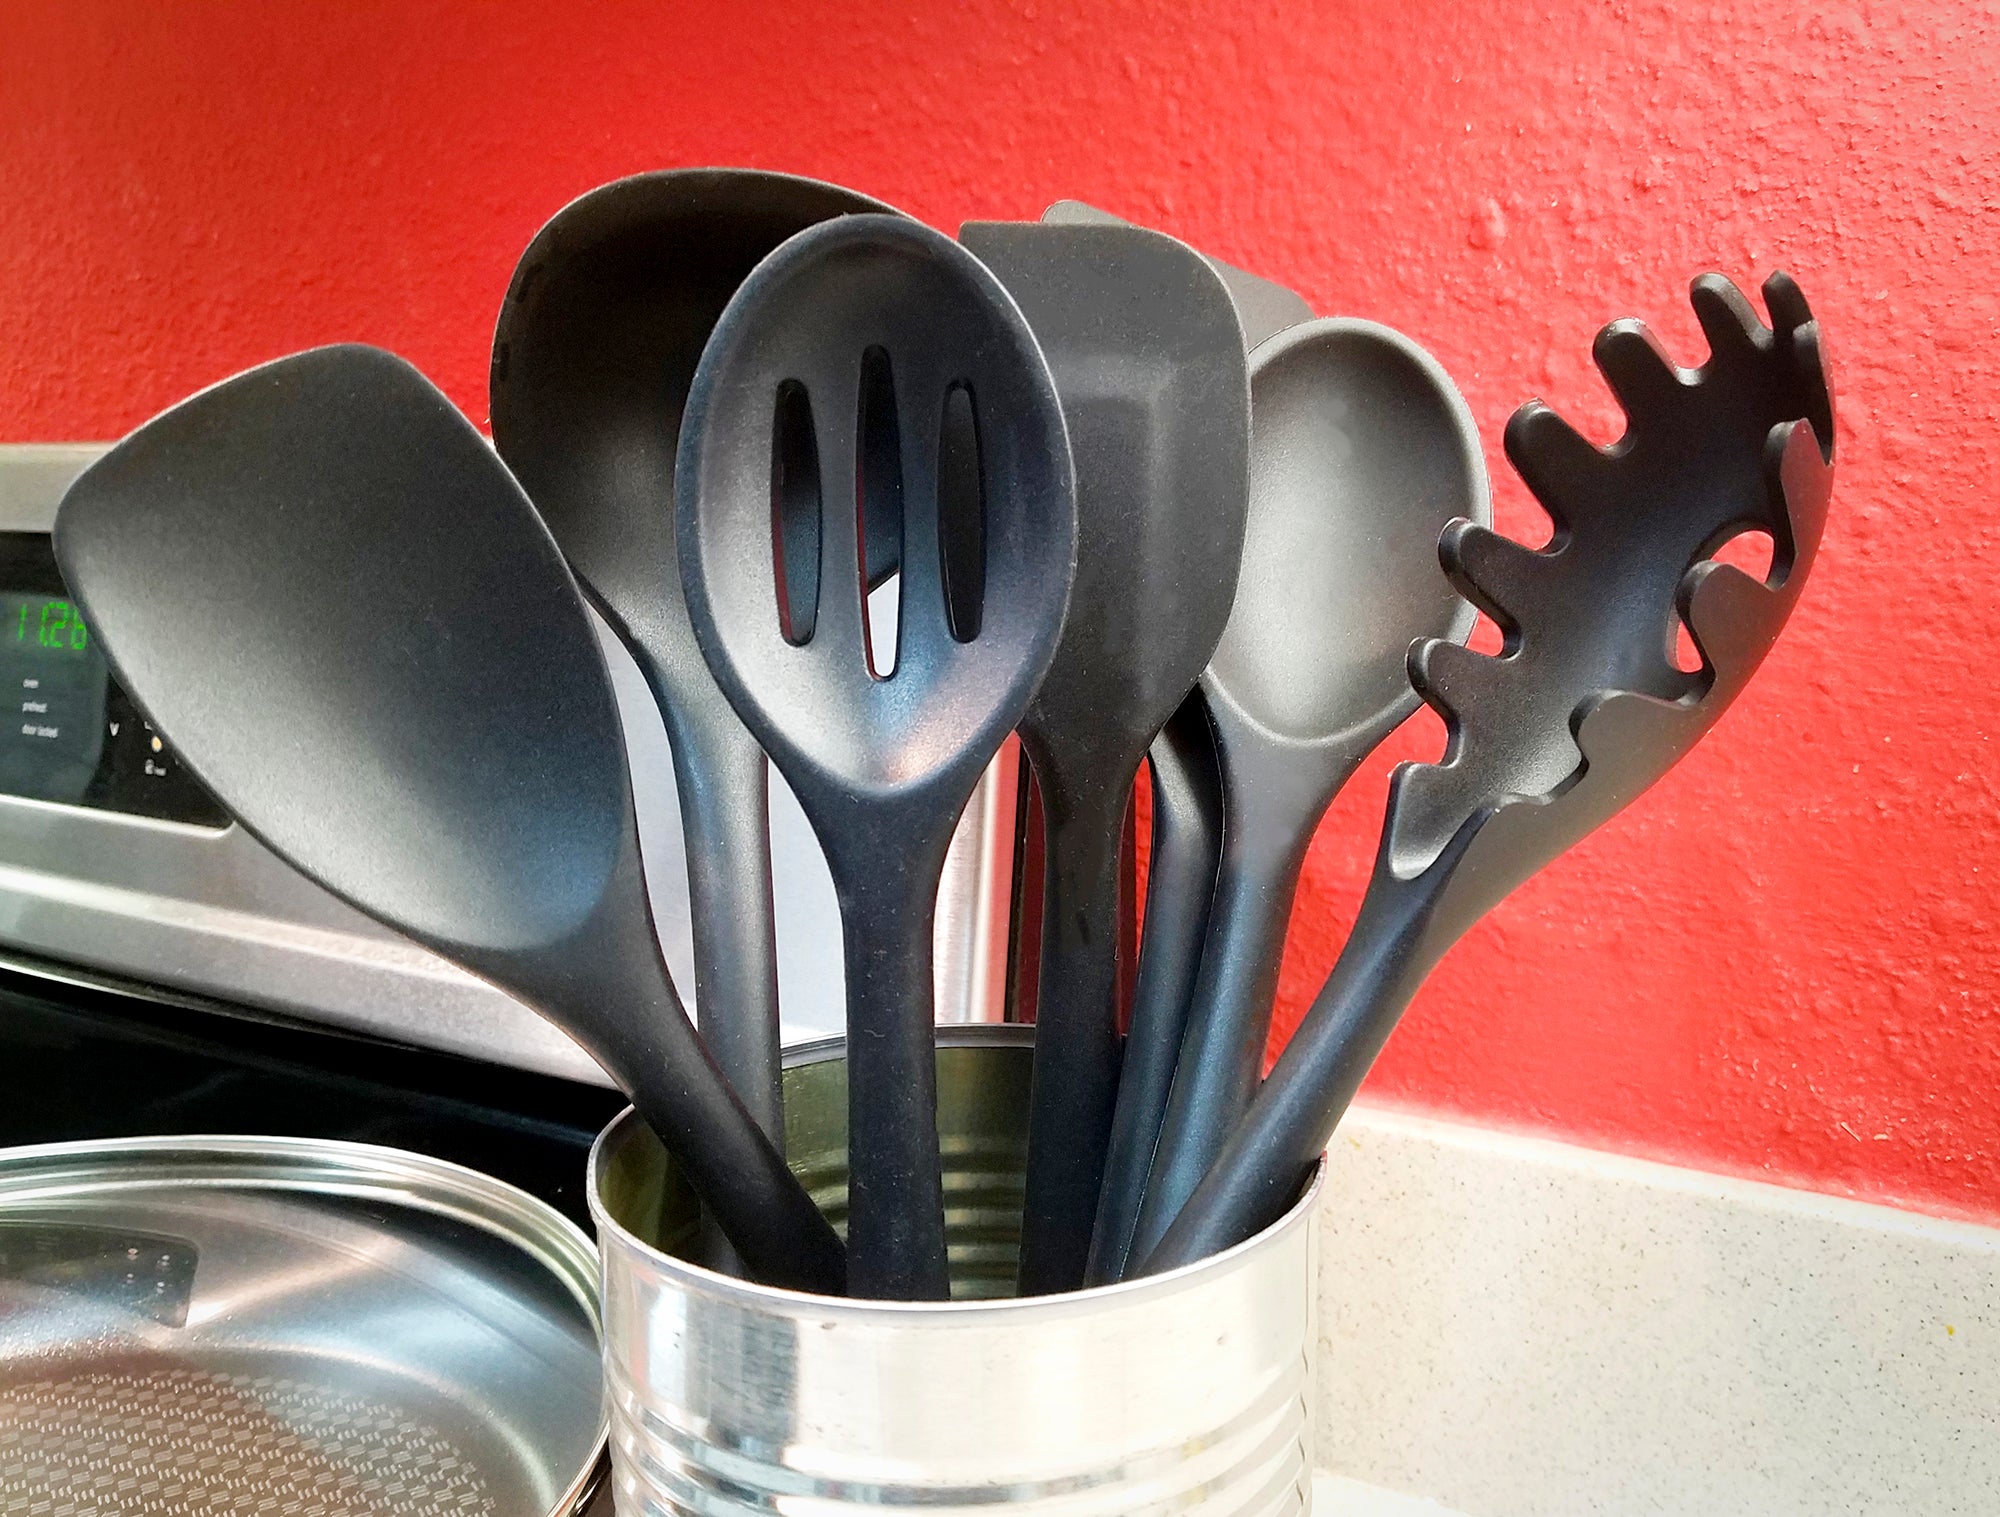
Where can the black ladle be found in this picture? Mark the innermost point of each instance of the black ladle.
(1148, 361)
(1362, 450)
(597, 343)
(872, 360)
(321, 581)
(1586, 706)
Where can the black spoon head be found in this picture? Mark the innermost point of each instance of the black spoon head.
(1142, 340)
(320, 582)
(1588, 705)
(870, 358)
(597, 342)
(1362, 451)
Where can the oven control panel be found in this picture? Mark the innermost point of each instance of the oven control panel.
(68, 733)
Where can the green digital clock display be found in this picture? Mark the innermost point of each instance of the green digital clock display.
(68, 733)
(48, 623)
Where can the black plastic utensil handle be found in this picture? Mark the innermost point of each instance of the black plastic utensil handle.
(1071, 1099)
(1274, 799)
(1180, 882)
(648, 1046)
(725, 820)
(1267, 1157)
(895, 1212)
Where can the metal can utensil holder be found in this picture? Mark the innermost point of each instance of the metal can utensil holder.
(1186, 1393)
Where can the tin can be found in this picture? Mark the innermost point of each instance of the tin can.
(1190, 1392)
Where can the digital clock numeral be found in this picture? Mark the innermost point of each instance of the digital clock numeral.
(60, 625)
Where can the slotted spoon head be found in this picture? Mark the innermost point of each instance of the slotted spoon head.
(871, 366)
(1741, 444)
(774, 416)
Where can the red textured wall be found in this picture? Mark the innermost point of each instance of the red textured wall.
(1783, 959)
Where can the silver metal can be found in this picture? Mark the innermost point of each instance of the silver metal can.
(1186, 1393)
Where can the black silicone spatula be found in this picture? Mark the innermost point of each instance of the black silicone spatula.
(1142, 340)
(1362, 451)
(1185, 858)
(872, 366)
(1586, 706)
(597, 343)
(1264, 308)
(321, 581)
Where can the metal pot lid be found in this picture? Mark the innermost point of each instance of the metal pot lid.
(264, 1325)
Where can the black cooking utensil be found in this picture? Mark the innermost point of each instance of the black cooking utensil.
(1362, 451)
(1264, 308)
(1180, 882)
(1183, 862)
(597, 343)
(1148, 361)
(321, 581)
(1586, 706)
(871, 364)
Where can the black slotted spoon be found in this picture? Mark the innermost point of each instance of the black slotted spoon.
(873, 352)
(1583, 709)
(415, 712)
(597, 342)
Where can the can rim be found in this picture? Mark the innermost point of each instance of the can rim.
(612, 1232)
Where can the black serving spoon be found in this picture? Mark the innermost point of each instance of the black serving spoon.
(1148, 362)
(872, 364)
(321, 581)
(1362, 450)
(1585, 707)
(597, 343)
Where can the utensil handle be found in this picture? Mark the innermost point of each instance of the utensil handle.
(724, 791)
(1180, 882)
(1075, 1083)
(1229, 1021)
(895, 1213)
(1257, 1174)
(654, 1054)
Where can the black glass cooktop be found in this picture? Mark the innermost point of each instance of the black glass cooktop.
(87, 1062)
